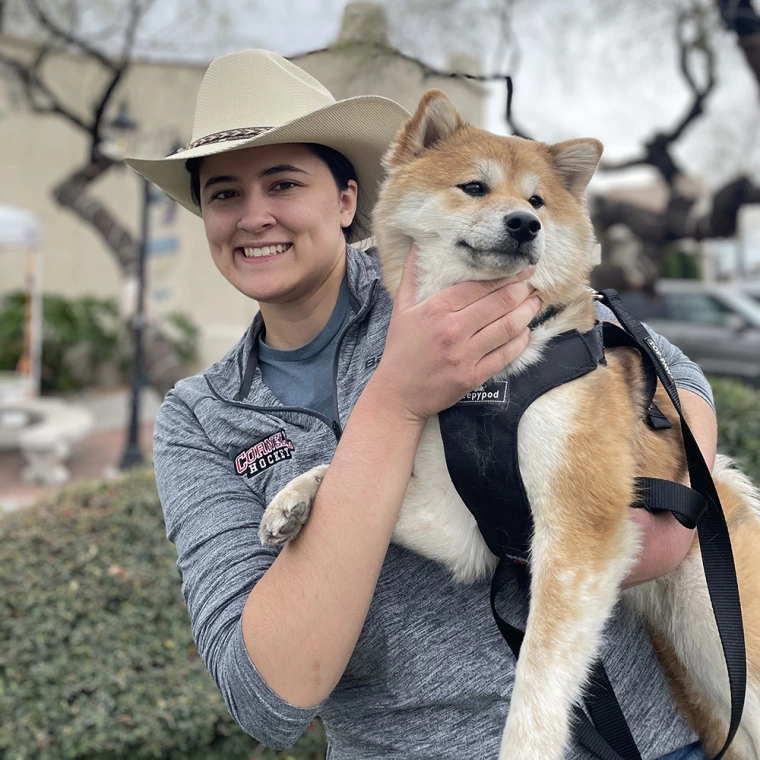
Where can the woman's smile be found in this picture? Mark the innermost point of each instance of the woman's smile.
(263, 253)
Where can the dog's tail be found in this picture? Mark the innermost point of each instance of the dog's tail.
(738, 494)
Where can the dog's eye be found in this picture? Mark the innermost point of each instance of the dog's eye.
(536, 201)
(474, 188)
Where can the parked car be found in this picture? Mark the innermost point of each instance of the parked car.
(715, 325)
(751, 288)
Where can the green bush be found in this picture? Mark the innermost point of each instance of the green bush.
(68, 325)
(738, 409)
(96, 656)
(81, 336)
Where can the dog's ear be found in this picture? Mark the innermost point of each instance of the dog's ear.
(434, 120)
(576, 162)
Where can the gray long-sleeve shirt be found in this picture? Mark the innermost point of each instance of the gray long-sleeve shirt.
(430, 677)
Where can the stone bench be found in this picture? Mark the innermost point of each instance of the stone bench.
(51, 438)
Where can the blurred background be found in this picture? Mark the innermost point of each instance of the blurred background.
(108, 294)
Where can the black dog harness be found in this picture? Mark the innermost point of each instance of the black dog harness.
(480, 443)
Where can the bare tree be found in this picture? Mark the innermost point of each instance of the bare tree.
(680, 219)
(75, 192)
(739, 16)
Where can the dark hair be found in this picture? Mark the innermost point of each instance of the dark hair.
(340, 167)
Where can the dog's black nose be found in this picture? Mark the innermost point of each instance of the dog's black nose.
(522, 226)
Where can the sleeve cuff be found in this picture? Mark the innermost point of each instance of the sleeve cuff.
(255, 706)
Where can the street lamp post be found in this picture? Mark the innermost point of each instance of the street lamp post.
(123, 126)
(132, 453)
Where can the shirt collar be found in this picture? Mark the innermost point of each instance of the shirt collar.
(233, 376)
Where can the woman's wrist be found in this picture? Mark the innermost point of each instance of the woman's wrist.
(381, 398)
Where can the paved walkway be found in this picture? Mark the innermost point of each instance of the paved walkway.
(99, 453)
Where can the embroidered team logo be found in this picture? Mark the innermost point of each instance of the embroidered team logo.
(491, 392)
(263, 454)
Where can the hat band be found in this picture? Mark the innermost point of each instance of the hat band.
(228, 134)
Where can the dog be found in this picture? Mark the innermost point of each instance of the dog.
(452, 189)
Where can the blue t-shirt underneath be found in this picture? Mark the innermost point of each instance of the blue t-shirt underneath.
(304, 376)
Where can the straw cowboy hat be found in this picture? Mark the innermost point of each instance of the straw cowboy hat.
(256, 97)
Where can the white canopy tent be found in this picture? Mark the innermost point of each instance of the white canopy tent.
(20, 235)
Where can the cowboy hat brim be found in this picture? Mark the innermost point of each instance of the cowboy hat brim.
(361, 128)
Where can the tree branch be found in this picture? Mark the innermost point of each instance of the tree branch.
(49, 25)
(672, 224)
(31, 83)
(136, 12)
(72, 194)
(657, 150)
(739, 16)
(700, 44)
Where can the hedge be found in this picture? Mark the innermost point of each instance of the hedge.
(738, 409)
(96, 657)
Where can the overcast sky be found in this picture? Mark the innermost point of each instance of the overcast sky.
(582, 67)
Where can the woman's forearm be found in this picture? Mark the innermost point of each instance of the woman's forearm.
(303, 618)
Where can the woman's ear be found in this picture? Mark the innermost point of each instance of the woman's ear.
(348, 201)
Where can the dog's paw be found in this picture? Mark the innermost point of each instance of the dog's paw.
(289, 510)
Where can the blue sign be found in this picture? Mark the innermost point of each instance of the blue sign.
(163, 246)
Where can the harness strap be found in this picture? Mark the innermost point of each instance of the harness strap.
(658, 495)
(714, 539)
(480, 440)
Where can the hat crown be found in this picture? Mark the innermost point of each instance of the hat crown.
(255, 88)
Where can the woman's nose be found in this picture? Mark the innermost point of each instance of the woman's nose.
(257, 214)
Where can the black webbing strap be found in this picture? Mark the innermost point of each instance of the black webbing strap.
(686, 504)
(714, 540)
(611, 727)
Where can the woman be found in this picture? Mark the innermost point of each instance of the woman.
(399, 661)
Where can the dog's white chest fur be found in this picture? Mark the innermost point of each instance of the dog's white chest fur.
(434, 520)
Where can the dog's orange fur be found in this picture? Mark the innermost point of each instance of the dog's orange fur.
(611, 445)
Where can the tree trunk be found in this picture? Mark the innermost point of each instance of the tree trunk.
(162, 364)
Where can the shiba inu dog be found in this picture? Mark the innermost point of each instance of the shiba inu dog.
(480, 206)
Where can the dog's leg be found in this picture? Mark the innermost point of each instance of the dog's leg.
(573, 591)
(584, 544)
(289, 509)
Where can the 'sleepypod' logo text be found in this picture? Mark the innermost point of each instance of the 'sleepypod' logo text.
(262, 455)
(491, 392)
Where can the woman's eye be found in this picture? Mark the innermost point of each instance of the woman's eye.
(223, 195)
(474, 188)
(285, 185)
(536, 201)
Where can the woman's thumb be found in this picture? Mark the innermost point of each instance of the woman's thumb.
(406, 296)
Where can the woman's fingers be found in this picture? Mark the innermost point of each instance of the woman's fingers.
(498, 303)
(444, 346)
(505, 328)
(465, 294)
(505, 354)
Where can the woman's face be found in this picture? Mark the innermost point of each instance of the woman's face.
(274, 217)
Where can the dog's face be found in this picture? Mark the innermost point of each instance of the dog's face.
(481, 206)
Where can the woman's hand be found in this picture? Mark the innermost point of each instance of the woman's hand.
(664, 541)
(440, 349)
